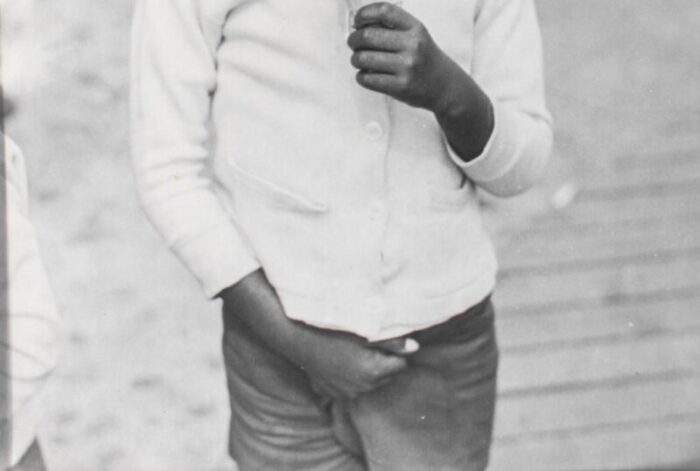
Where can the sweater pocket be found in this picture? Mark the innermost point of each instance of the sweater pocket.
(450, 241)
(288, 232)
(275, 194)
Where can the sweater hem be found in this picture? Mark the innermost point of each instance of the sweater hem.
(430, 310)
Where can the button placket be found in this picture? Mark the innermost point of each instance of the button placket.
(375, 128)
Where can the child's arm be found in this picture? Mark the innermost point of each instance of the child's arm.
(343, 365)
(173, 76)
(495, 120)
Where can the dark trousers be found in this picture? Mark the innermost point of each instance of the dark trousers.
(436, 415)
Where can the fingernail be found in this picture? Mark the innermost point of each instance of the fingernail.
(411, 346)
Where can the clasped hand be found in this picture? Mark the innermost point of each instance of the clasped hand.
(346, 366)
(340, 365)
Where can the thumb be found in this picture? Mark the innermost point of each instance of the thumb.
(399, 346)
(391, 364)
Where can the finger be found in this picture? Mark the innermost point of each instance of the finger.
(393, 346)
(375, 38)
(385, 381)
(328, 391)
(373, 61)
(382, 83)
(385, 14)
(320, 388)
(411, 346)
(324, 393)
(390, 365)
(399, 346)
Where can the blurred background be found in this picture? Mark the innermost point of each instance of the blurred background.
(598, 302)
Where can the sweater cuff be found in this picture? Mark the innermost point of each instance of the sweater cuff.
(499, 154)
(219, 258)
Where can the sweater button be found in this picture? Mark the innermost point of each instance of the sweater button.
(374, 130)
(391, 266)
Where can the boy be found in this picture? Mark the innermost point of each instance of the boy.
(338, 220)
(28, 347)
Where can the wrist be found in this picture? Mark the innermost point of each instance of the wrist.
(255, 301)
(237, 292)
(452, 86)
(461, 99)
(467, 120)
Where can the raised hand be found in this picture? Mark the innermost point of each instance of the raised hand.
(396, 55)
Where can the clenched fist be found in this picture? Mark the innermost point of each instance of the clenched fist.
(396, 56)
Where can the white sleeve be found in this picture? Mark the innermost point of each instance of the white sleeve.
(507, 64)
(173, 76)
(31, 343)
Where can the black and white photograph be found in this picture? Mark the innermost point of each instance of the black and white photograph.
(350, 235)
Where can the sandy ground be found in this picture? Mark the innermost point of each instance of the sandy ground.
(140, 384)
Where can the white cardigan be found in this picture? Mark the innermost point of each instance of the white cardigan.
(31, 345)
(354, 205)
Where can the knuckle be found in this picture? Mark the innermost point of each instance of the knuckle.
(368, 79)
(409, 61)
(384, 8)
(418, 44)
(365, 58)
(418, 38)
(412, 44)
(370, 371)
